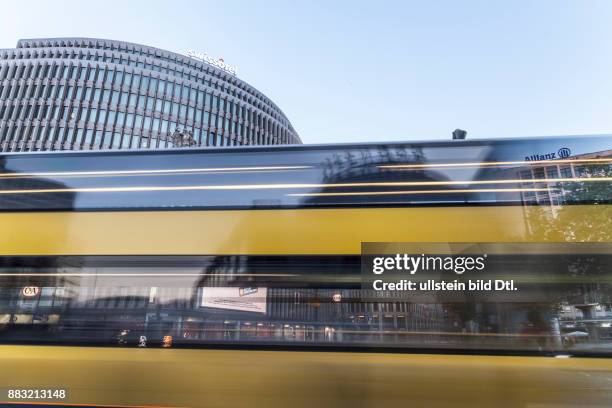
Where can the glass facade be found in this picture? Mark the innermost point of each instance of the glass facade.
(89, 94)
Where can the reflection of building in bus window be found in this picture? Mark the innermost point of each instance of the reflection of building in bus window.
(538, 173)
(29, 315)
(566, 172)
(552, 172)
(536, 329)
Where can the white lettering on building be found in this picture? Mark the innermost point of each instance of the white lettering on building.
(219, 63)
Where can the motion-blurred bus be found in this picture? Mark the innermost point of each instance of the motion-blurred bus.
(262, 247)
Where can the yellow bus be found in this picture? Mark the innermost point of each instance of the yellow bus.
(234, 276)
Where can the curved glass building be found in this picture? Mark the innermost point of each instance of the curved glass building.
(84, 94)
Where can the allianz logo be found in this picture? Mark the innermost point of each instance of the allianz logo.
(562, 153)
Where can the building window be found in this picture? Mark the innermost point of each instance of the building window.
(566, 172)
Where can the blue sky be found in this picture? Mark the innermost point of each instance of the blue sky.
(347, 71)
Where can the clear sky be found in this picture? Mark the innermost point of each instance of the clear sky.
(378, 70)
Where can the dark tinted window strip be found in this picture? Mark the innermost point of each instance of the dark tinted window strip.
(184, 261)
(298, 271)
(289, 207)
(347, 347)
